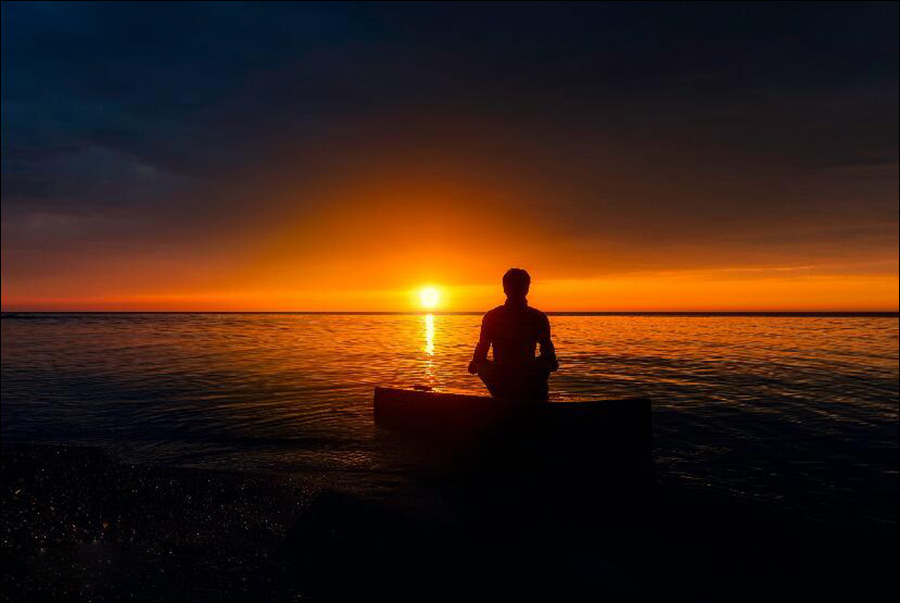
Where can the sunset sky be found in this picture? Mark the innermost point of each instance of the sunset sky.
(334, 156)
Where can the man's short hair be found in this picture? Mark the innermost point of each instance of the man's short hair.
(516, 282)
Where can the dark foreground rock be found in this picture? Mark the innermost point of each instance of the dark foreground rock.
(79, 526)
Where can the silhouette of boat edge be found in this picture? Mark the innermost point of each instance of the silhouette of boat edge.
(617, 429)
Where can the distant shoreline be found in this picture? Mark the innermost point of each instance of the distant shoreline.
(699, 314)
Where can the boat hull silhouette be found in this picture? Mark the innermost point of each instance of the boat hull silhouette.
(618, 430)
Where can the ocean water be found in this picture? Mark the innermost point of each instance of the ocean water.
(799, 412)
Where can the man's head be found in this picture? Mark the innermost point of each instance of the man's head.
(516, 283)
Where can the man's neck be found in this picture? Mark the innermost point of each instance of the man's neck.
(516, 302)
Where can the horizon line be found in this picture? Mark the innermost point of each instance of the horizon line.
(887, 313)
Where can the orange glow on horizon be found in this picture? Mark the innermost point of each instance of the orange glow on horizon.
(687, 291)
(371, 245)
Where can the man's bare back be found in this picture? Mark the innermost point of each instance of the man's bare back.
(515, 330)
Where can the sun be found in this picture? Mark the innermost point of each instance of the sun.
(429, 297)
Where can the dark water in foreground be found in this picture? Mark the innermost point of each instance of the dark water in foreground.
(797, 412)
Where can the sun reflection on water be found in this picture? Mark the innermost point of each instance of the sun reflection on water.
(430, 376)
(429, 334)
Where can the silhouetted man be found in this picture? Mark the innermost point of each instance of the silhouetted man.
(515, 330)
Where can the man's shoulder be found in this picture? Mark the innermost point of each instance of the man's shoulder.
(494, 312)
(537, 313)
(531, 314)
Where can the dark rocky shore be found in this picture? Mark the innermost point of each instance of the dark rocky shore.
(79, 526)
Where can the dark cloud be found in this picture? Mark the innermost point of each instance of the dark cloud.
(135, 123)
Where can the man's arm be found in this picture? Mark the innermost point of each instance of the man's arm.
(548, 351)
(481, 349)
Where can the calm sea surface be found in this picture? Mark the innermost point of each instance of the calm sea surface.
(800, 412)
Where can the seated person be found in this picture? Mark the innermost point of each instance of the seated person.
(514, 330)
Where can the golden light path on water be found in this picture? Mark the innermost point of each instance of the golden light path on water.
(430, 376)
(429, 334)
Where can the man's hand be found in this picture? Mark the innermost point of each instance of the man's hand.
(473, 368)
(548, 363)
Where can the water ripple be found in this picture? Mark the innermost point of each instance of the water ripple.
(801, 410)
